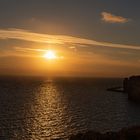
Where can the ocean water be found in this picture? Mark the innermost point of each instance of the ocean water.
(34, 108)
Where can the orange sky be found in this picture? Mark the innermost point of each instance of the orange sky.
(71, 60)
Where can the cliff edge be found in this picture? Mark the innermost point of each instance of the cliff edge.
(131, 86)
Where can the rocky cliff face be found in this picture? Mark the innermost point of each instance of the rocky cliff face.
(132, 87)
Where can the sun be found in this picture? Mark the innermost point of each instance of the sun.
(50, 55)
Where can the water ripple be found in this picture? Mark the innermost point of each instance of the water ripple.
(32, 108)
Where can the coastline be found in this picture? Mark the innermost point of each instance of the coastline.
(130, 133)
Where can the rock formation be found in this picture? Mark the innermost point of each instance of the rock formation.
(132, 87)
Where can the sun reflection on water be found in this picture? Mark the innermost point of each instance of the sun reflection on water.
(49, 111)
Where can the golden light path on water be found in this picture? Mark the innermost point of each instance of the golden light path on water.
(52, 115)
(43, 110)
(49, 112)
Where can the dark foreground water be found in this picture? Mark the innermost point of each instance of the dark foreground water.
(41, 108)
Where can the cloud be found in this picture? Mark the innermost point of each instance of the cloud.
(29, 49)
(108, 17)
(58, 39)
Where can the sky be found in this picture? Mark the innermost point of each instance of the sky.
(95, 38)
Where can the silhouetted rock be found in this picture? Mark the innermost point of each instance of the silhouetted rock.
(132, 87)
(132, 133)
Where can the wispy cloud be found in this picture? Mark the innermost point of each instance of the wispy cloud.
(58, 39)
(108, 17)
(29, 49)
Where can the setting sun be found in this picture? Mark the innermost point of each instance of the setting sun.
(50, 54)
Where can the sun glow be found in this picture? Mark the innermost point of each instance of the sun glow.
(50, 54)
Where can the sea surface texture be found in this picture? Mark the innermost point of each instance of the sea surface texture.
(33, 108)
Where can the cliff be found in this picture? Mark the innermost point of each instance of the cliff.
(132, 87)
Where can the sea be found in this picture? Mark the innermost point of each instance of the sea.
(40, 108)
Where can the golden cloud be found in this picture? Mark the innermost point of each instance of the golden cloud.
(58, 39)
(108, 17)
